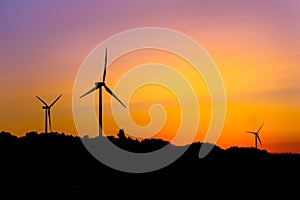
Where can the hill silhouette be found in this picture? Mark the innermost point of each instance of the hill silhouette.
(56, 163)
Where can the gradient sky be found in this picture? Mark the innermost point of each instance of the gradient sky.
(255, 44)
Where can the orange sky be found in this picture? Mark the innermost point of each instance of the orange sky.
(255, 47)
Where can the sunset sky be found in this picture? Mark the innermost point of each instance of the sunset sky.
(255, 45)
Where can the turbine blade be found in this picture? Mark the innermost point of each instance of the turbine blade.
(260, 128)
(259, 140)
(92, 90)
(42, 100)
(105, 63)
(49, 118)
(55, 101)
(110, 92)
(251, 132)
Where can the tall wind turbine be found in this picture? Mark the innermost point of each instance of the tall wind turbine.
(99, 85)
(256, 135)
(47, 111)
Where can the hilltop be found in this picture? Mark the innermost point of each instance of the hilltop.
(56, 162)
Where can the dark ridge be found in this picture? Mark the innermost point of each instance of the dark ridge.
(56, 163)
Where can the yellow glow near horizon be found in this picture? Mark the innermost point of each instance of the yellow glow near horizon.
(254, 97)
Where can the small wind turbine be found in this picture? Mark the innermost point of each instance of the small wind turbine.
(99, 86)
(47, 111)
(256, 136)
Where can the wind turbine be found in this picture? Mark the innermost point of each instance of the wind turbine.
(256, 136)
(99, 85)
(47, 111)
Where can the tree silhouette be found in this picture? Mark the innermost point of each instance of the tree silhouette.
(55, 162)
(121, 134)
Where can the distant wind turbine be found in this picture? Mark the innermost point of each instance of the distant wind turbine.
(47, 111)
(99, 86)
(256, 136)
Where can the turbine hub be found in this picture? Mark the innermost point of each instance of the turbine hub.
(99, 84)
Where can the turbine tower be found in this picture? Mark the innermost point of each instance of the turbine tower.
(99, 85)
(47, 111)
(256, 136)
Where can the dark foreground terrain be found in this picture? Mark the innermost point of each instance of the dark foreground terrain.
(54, 164)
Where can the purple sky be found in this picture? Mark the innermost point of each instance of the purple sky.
(41, 38)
